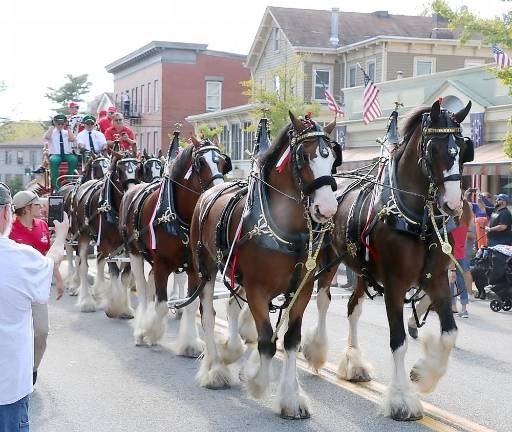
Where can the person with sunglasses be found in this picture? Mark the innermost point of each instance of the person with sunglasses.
(74, 119)
(26, 280)
(91, 139)
(59, 139)
(120, 134)
(106, 122)
(499, 230)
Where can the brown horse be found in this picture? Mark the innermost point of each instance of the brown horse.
(194, 170)
(96, 207)
(288, 201)
(421, 184)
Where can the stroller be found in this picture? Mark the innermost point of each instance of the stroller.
(492, 273)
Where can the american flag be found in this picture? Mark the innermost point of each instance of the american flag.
(371, 105)
(476, 120)
(331, 103)
(501, 57)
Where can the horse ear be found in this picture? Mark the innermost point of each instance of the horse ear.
(462, 114)
(145, 153)
(196, 143)
(435, 111)
(330, 127)
(297, 124)
(159, 154)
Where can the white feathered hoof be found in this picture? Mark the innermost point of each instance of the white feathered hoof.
(353, 367)
(216, 377)
(429, 369)
(247, 326)
(230, 353)
(293, 406)
(402, 404)
(314, 349)
(191, 349)
(87, 305)
(100, 289)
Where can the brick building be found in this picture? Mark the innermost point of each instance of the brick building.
(168, 81)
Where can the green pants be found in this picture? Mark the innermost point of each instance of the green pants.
(56, 160)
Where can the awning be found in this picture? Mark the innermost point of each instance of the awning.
(359, 156)
(490, 159)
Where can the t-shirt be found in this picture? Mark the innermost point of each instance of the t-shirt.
(112, 134)
(501, 217)
(105, 123)
(477, 211)
(38, 237)
(26, 279)
(459, 239)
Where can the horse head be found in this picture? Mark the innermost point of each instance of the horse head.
(125, 170)
(99, 166)
(314, 158)
(443, 151)
(208, 164)
(151, 168)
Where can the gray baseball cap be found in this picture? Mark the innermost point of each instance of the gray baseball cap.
(5, 194)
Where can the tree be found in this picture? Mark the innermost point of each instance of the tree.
(70, 91)
(275, 104)
(15, 184)
(496, 30)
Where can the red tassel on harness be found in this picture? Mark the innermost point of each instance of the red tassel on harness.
(283, 161)
(235, 262)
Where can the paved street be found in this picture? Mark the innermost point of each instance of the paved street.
(93, 378)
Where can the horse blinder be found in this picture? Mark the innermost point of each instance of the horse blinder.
(228, 167)
(338, 155)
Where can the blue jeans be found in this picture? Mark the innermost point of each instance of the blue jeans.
(14, 417)
(460, 285)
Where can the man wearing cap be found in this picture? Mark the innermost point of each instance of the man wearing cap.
(499, 230)
(106, 122)
(60, 138)
(119, 133)
(74, 119)
(91, 139)
(26, 279)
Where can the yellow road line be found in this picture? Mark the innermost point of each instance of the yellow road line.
(434, 418)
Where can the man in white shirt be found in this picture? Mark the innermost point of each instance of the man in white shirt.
(91, 139)
(60, 138)
(26, 279)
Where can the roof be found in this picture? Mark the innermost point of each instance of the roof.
(490, 159)
(312, 28)
(21, 133)
(157, 47)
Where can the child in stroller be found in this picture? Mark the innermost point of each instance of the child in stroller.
(492, 273)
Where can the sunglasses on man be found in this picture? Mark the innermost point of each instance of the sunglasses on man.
(89, 123)
(59, 124)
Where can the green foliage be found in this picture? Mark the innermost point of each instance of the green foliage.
(72, 90)
(15, 185)
(275, 104)
(209, 133)
(507, 146)
(17, 131)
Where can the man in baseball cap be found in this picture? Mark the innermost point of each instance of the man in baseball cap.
(499, 230)
(90, 139)
(106, 122)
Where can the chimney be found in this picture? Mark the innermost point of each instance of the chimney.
(334, 27)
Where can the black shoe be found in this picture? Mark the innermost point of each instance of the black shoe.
(34, 377)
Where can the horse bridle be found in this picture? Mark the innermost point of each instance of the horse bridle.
(216, 156)
(148, 162)
(130, 169)
(299, 159)
(100, 162)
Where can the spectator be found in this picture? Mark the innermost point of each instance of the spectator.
(26, 279)
(59, 138)
(29, 229)
(126, 103)
(499, 230)
(120, 134)
(461, 282)
(91, 139)
(106, 122)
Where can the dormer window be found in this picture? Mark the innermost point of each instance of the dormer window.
(275, 38)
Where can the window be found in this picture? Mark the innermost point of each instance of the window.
(473, 62)
(275, 38)
(155, 95)
(33, 158)
(248, 137)
(141, 141)
(8, 157)
(148, 140)
(236, 141)
(156, 144)
(224, 139)
(424, 66)
(322, 78)
(19, 157)
(213, 96)
(150, 107)
(370, 69)
(135, 101)
(352, 76)
(142, 110)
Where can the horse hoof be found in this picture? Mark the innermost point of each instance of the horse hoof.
(361, 376)
(191, 352)
(403, 415)
(126, 316)
(302, 414)
(223, 386)
(413, 332)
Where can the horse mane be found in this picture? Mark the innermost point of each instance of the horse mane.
(271, 156)
(412, 122)
(180, 164)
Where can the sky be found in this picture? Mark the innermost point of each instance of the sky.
(43, 40)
